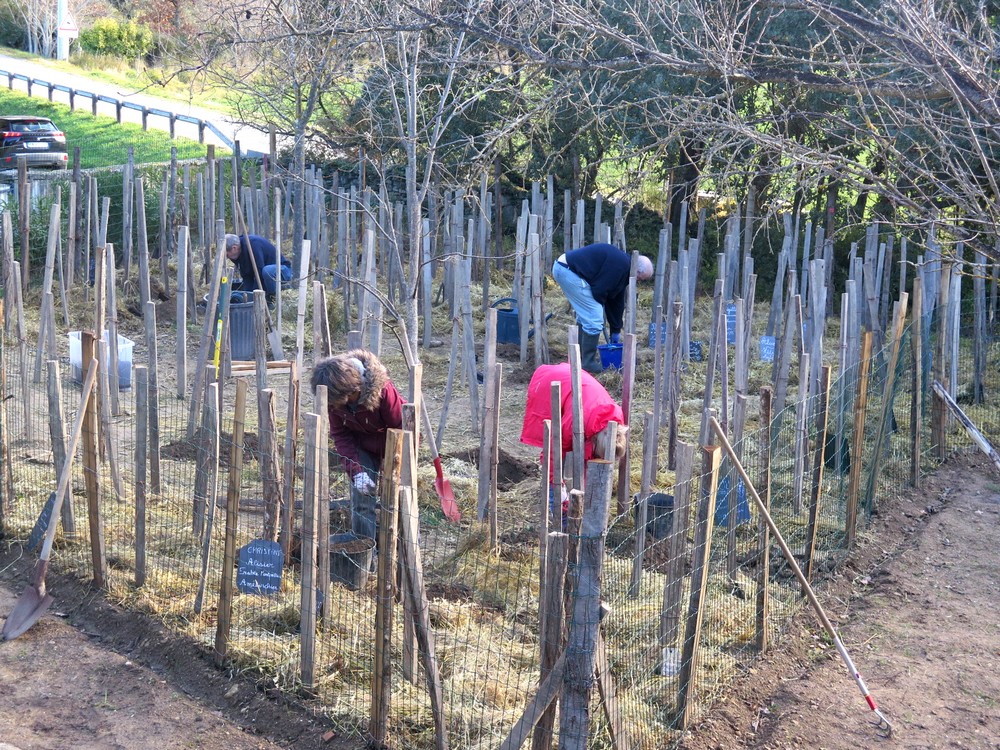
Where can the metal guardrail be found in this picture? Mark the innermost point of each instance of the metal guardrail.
(172, 117)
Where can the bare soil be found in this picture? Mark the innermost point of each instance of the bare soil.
(88, 675)
(916, 608)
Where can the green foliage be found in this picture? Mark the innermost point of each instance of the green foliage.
(12, 30)
(126, 40)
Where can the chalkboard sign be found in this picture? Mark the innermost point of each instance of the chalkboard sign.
(767, 348)
(260, 567)
(694, 351)
(730, 323)
(38, 532)
(652, 334)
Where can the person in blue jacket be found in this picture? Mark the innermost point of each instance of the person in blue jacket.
(594, 279)
(269, 262)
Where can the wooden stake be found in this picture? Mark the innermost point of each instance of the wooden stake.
(711, 457)
(181, 311)
(628, 383)
(677, 560)
(917, 390)
(648, 450)
(149, 319)
(288, 461)
(211, 437)
(582, 635)
(57, 433)
(551, 634)
(416, 594)
(141, 430)
(208, 331)
(387, 528)
(886, 415)
(225, 612)
(310, 550)
(819, 452)
(270, 465)
(858, 442)
(762, 615)
(90, 437)
(323, 501)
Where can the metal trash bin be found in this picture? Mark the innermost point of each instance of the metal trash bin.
(241, 331)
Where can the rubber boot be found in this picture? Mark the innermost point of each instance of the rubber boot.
(588, 352)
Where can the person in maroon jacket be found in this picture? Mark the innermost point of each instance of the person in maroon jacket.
(363, 403)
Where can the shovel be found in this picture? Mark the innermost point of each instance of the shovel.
(441, 485)
(34, 601)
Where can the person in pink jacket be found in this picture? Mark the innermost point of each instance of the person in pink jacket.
(598, 410)
(362, 403)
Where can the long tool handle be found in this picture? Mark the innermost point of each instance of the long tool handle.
(790, 559)
(984, 445)
(64, 475)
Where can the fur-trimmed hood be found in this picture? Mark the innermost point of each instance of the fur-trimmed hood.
(374, 379)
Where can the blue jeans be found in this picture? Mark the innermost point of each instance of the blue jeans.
(268, 275)
(589, 312)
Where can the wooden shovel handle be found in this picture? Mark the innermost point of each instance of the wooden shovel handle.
(64, 475)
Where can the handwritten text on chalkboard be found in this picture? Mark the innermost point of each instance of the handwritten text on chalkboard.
(260, 566)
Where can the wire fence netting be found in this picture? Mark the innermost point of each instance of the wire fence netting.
(482, 602)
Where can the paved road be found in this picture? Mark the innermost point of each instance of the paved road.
(251, 139)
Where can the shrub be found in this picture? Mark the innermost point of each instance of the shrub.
(126, 40)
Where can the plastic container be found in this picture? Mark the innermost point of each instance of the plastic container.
(508, 325)
(125, 347)
(350, 559)
(611, 356)
(659, 513)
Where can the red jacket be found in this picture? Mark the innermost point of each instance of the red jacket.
(362, 428)
(598, 407)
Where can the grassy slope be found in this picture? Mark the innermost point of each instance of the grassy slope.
(101, 145)
(157, 82)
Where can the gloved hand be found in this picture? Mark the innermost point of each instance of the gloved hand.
(363, 483)
(616, 338)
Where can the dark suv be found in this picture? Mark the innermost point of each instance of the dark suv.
(35, 138)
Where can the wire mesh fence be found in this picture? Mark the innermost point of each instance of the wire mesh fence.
(482, 615)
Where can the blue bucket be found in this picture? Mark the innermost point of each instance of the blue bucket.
(508, 326)
(611, 356)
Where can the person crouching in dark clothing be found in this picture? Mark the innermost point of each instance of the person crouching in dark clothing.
(594, 279)
(362, 403)
(270, 263)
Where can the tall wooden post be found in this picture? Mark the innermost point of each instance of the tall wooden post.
(939, 411)
(917, 390)
(310, 548)
(388, 523)
(763, 532)
(858, 442)
(90, 460)
(822, 422)
(583, 636)
(711, 458)
(225, 614)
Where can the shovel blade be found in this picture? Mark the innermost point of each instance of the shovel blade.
(28, 610)
(274, 339)
(443, 488)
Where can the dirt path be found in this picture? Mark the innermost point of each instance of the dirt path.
(88, 676)
(917, 610)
